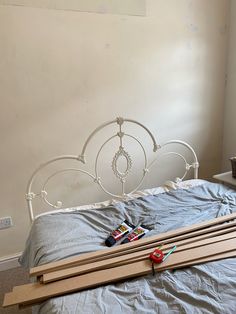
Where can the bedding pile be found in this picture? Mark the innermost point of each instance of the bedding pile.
(206, 288)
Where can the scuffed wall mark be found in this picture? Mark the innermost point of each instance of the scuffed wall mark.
(192, 28)
(191, 25)
(125, 7)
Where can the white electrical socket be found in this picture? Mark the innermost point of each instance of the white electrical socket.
(5, 222)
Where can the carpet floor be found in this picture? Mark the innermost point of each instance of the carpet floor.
(9, 279)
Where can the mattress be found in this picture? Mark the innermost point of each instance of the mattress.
(206, 288)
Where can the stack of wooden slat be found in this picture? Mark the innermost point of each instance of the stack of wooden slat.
(207, 241)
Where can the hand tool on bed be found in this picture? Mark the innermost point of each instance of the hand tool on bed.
(157, 257)
(201, 228)
(37, 292)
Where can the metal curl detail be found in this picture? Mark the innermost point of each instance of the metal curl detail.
(30, 196)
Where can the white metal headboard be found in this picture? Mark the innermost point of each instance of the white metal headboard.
(121, 152)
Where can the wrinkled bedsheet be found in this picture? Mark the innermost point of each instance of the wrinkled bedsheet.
(207, 288)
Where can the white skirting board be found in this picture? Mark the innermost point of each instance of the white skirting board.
(8, 262)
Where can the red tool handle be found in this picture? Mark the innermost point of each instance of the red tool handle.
(157, 256)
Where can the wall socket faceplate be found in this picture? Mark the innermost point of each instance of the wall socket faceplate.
(5, 222)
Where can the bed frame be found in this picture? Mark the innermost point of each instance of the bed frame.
(121, 152)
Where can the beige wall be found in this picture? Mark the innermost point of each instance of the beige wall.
(229, 142)
(63, 73)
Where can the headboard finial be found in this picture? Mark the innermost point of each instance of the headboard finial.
(120, 120)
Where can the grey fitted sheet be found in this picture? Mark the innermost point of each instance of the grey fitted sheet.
(207, 288)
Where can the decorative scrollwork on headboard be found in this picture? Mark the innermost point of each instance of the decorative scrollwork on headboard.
(120, 121)
(121, 153)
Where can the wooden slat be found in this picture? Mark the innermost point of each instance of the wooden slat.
(216, 257)
(125, 248)
(34, 293)
(120, 260)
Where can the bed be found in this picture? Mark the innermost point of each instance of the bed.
(66, 232)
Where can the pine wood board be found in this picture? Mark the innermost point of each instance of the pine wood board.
(34, 293)
(203, 260)
(120, 260)
(134, 246)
